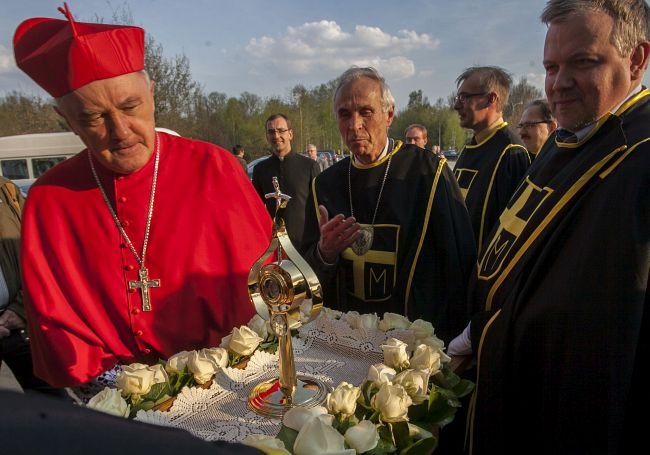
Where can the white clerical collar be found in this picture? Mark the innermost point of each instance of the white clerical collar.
(581, 134)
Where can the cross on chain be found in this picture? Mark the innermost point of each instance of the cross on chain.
(144, 283)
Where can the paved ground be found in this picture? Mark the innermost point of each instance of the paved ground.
(7, 380)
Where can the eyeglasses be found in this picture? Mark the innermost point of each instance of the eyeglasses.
(463, 97)
(272, 131)
(525, 125)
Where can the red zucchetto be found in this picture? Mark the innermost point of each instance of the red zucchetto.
(62, 56)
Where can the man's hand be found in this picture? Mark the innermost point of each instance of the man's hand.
(336, 234)
(10, 321)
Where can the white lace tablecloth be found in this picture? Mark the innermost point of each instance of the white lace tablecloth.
(326, 349)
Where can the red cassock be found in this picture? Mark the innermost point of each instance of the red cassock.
(208, 228)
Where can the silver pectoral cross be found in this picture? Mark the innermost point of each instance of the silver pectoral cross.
(144, 283)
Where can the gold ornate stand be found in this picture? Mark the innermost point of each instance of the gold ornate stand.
(277, 289)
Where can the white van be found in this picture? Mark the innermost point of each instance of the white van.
(25, 157)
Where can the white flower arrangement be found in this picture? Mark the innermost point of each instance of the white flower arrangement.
(394, 410)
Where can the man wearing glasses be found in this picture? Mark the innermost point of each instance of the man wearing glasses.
(492, 164)
(536, 125)
(294, 172)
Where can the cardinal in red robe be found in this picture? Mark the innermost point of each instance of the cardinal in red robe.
(139, 246)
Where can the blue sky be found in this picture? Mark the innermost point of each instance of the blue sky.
(266, 48)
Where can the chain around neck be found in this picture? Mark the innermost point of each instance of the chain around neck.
(118, 223)
(381, 188)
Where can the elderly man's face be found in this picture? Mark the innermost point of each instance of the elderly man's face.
(362, 121)
(115, 120)
(585, 74)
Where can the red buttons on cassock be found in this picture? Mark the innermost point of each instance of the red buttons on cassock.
(138, 333)
(125, 223)
(146, 351)
(129, 267)
(121, 199)
(135, 310)
(132, 290)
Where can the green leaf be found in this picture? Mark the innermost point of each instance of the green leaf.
(385, 444)
(401, 434)
(288, 436)
(157, 391)
(463, 388)
(383, 447)
(343, 425)
(422, 447)
(418, 411)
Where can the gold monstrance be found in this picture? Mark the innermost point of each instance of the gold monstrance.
(277, 289)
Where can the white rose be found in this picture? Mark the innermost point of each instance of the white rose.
(260, 326)
(297, 416)
(393, 321)
(426, 358)
(433, 341)
(343, 400)
(421, 329)
(244, 341)
(305, 310)
(395, 355)
(380, 374)
(177, 362)
(330, 313)
(225, 341)
(202, 366)
(416, 384)
(264, 442)
(351, 318)
(219, 355)
(368, 321)
(111, 402)
(319, 437)
(392, 402)
(138, 378)
(362, 437)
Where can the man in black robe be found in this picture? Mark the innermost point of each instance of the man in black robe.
(491, 166)
(388, 230)
(294, 172)
(562, 340)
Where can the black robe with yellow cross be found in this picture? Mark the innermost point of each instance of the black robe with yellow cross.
(488, 174)
(562, 338)
(423, 249)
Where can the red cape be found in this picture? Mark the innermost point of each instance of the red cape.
(208, 228)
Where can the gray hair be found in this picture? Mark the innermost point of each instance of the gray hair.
(354, 73)
(631, 19)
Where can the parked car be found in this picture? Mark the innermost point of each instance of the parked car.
(251, 165)
(450, 153)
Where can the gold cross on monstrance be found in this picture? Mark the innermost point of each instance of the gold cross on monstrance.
(144, 284)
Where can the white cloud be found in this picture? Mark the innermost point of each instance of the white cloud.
(323, 47)
(6, 60)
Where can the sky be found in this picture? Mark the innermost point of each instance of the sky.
(266, 48)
